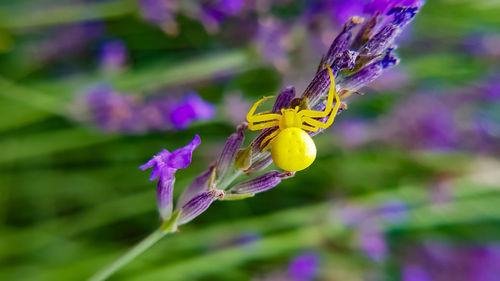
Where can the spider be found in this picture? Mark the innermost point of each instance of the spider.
(292, 149)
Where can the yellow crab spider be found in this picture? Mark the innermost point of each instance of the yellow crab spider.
(292, 149)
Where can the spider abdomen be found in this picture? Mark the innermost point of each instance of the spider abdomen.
(293, 150)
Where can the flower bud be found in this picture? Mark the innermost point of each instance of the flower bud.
(261, 183)
(198, 205)
(229, 152)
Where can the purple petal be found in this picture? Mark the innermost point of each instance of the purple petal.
(229, 151)
(198, 205)
(164, 193)
(259, 165)
(181, 158)
(261, 183)
(198, 185)
(256, 143)
(202, 110)
(318, 87)
(283, 100)
(158, 161)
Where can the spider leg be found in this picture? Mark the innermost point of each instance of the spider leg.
(255, 127)
(269, 138)
(329, 102)
(314, 123)
(309, 128)
(251, 117)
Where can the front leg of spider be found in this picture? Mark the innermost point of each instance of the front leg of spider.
(292, 149)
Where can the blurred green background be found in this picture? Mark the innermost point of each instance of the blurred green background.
(405, 185)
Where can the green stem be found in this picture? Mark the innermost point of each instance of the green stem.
(138, 249)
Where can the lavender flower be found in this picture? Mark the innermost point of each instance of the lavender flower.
(191, 109)
(164, 165)
(214, 12)
(67, 41)
(113, 55)
(161, 13)
(415, 273)
(372, 241)
(304, 267)
(116, 112)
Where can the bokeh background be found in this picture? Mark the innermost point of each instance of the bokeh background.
(405, 185)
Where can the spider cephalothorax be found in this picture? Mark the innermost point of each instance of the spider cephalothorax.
(292, 149)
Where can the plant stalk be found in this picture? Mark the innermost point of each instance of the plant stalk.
(138, 249)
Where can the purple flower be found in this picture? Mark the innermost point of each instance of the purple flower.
(423, 122)
(384, 6)
(193, 108)
(110, 110)
(68, 40)
(415, 273)
(164, 165)
(372, 241)
(113, 54)
(161, 13)
(212, 13)
(394, 211)
(355, 133)
(125, 113)
(304, 267)
(273, 42)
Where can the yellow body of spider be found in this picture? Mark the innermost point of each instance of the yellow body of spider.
(292, 149)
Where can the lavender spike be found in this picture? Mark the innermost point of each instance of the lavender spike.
(261, 183)
(385, 37)
(368, 73)
(340, 43)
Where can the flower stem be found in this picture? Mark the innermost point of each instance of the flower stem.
(138, 249)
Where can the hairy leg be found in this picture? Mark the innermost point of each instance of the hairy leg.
(309, 128)
(255, 127)
(329, 102)
(269, 138)
(261, 117)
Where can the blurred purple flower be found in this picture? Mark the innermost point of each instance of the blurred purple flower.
(441, 261)
(161, 13)
(394, 211)
(115, 112)
(191, 109)
(423, 121)
(113, 54)
(273, 41)
(483, 45)
(234, 105)
(68, 40)
(355, 133)
(110, 110)
(372, 241)
(415, 273)
(164, 165)
(384, 6)
(304, 267)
